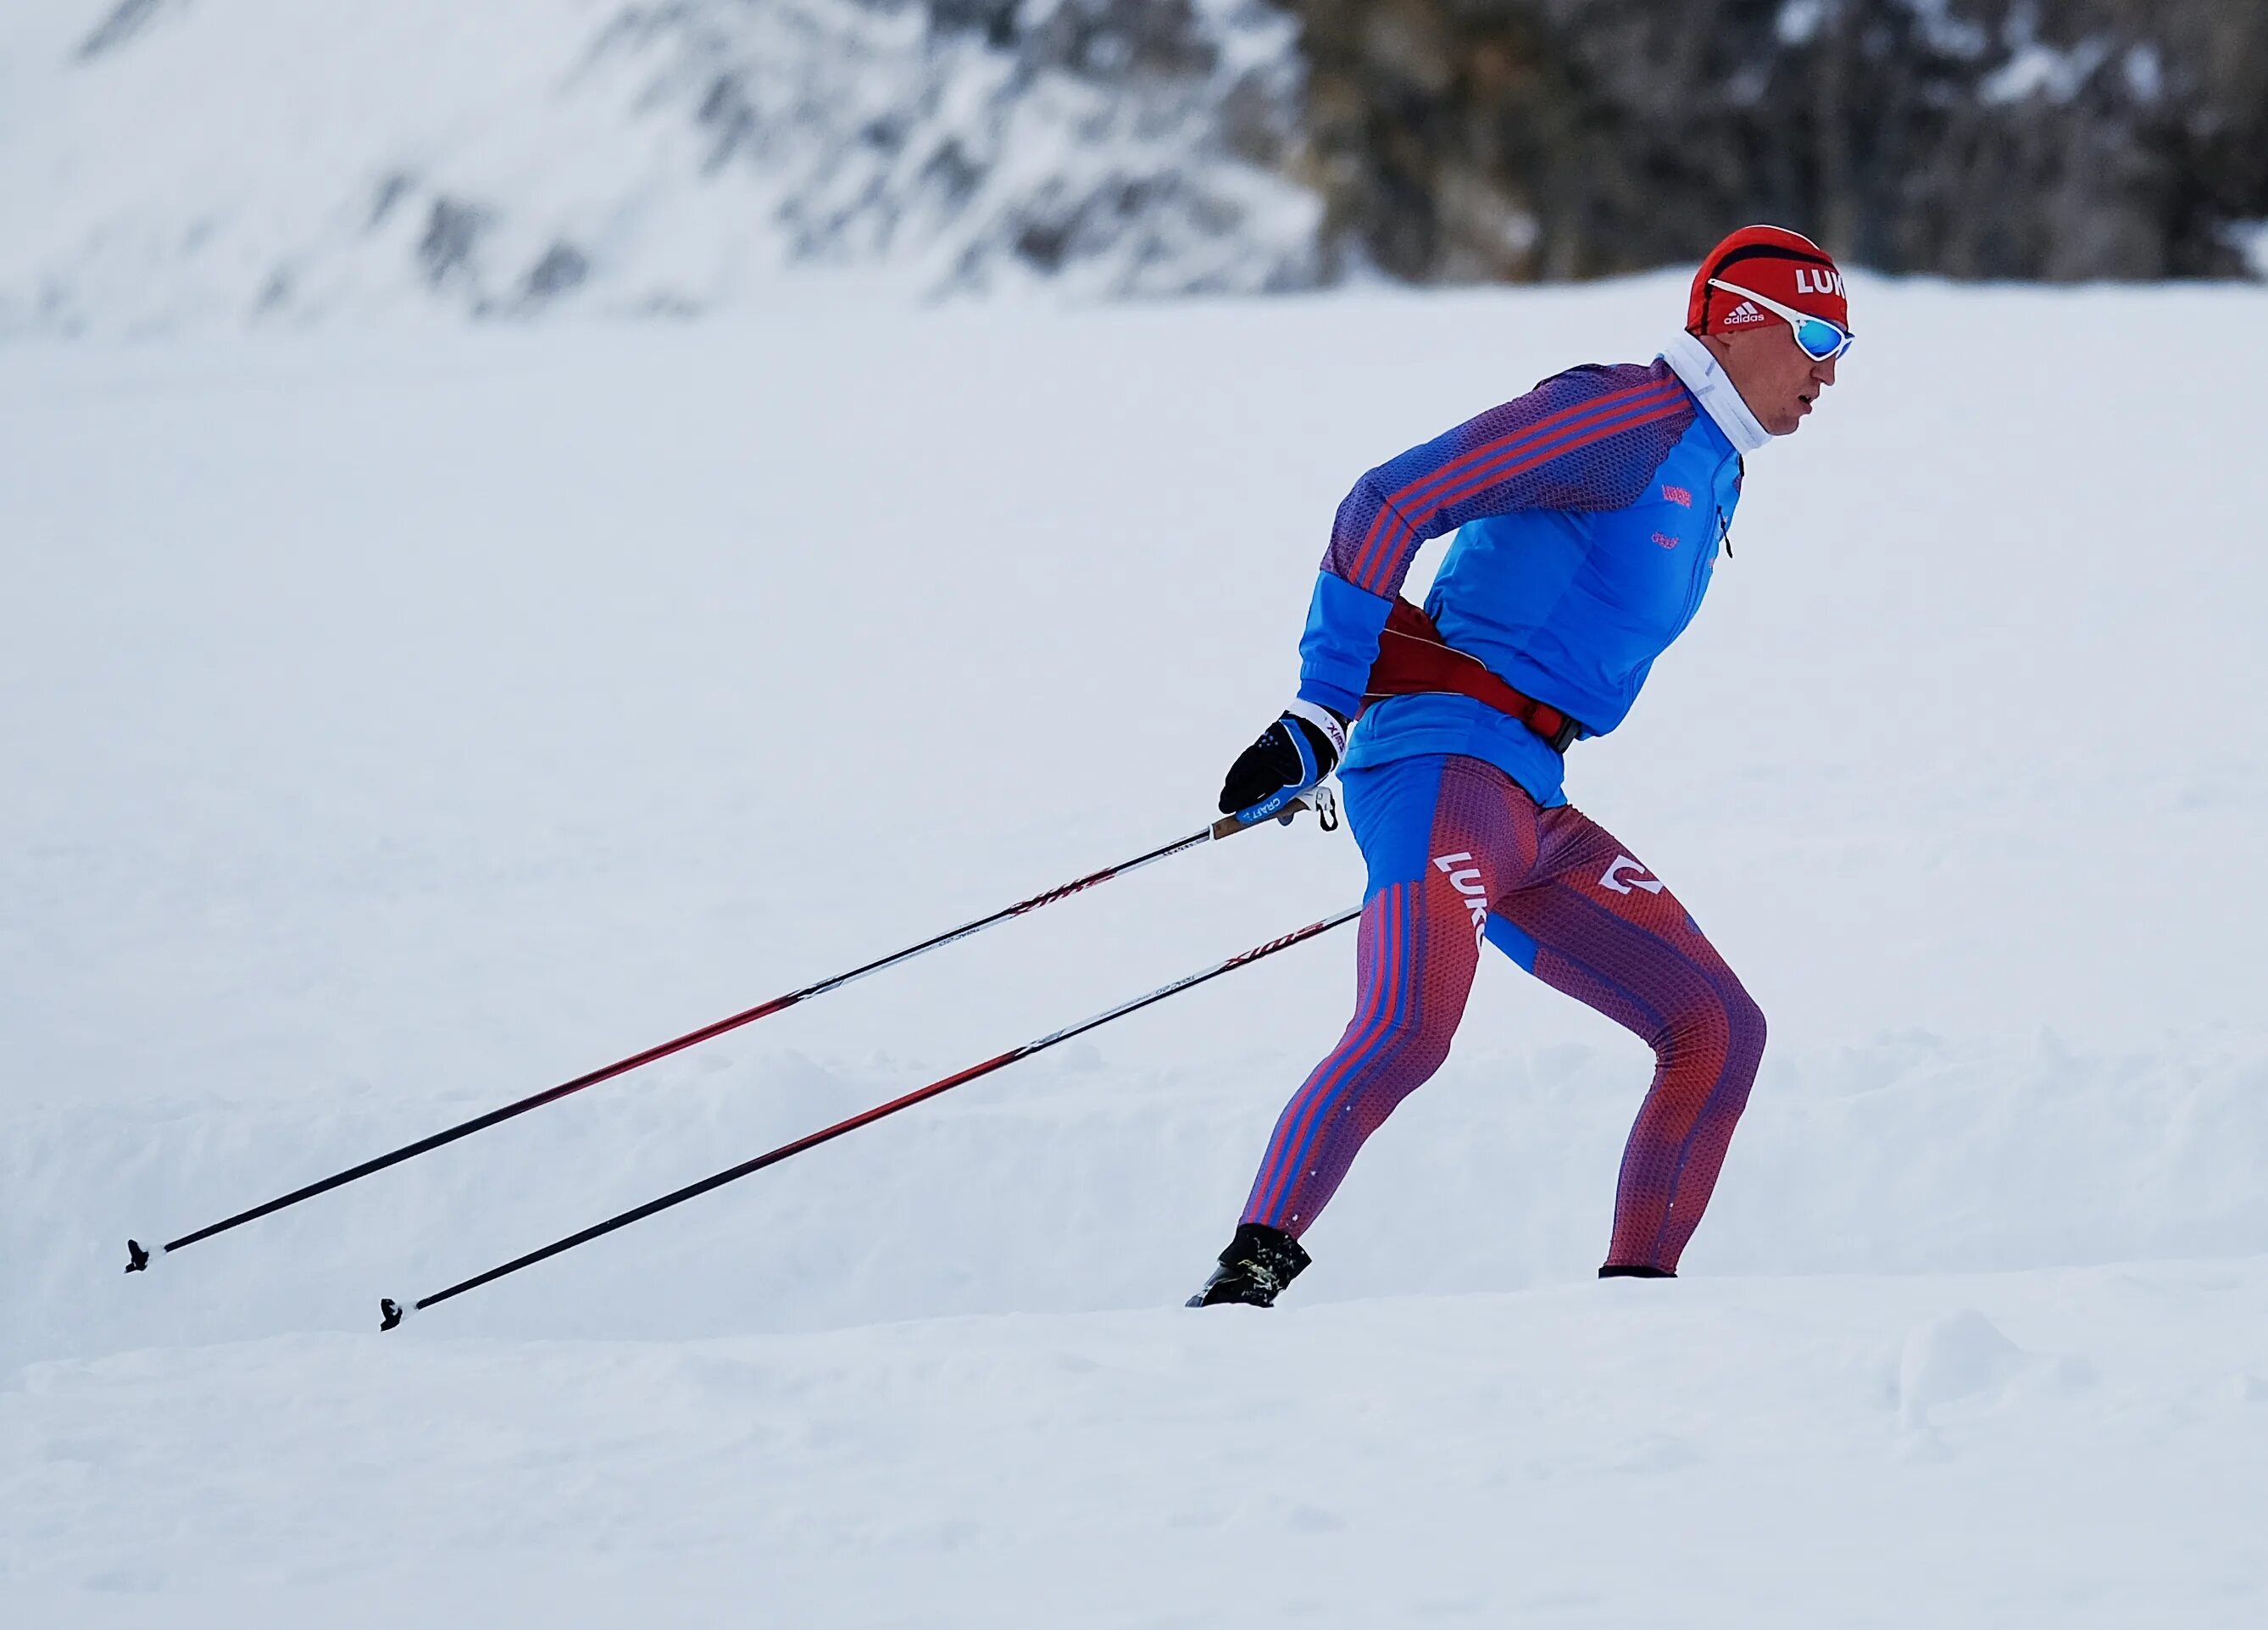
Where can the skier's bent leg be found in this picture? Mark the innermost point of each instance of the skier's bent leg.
(1438, 834)
(1396, 1041)
(1605, 930)
(1706, 1057)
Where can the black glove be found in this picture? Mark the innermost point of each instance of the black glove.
(1292, 754)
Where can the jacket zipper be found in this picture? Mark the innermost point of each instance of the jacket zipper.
(1702, 565)
(1724, 541)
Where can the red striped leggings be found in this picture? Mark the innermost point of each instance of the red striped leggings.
(1457, 852)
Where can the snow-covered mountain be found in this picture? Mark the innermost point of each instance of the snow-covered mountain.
(170, 164)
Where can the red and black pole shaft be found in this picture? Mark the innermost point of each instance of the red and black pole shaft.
(138, 1257)
(391, 1312)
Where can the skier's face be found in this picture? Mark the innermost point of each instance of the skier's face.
(1778, 381)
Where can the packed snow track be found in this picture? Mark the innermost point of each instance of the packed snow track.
(397, 724)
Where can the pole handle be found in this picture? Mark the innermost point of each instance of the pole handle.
(1318, 798)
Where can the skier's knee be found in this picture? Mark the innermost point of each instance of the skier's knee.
(1415, 1046)
(1744, 1019)
(1724, 1019)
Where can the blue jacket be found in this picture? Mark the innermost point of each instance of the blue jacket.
(1589, 516)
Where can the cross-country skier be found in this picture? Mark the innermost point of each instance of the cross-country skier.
(1588, 515)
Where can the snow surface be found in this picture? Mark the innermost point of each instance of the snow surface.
(397, 724)
(182, 165)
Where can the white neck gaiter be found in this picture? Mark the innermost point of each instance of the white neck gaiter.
(1697, 366)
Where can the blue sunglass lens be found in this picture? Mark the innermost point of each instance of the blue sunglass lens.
(1820, 339)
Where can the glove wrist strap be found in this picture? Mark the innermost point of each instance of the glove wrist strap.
(1323, 719)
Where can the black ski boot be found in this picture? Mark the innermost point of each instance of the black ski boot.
(1259, 1262)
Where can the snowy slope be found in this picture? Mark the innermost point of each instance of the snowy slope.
(1869, 1452)
(395, 727)
(178, 164)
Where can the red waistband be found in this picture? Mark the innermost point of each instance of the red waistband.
(1413, 660)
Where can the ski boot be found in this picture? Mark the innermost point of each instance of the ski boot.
(1259, 1262)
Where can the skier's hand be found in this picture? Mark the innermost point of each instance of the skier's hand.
(1292, 754)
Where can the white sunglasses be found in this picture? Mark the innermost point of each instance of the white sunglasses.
(1818, 338)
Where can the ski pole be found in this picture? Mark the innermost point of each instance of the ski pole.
(391, 1312)
(1320, 798)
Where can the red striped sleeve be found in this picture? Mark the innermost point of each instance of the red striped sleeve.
(1586, 439)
